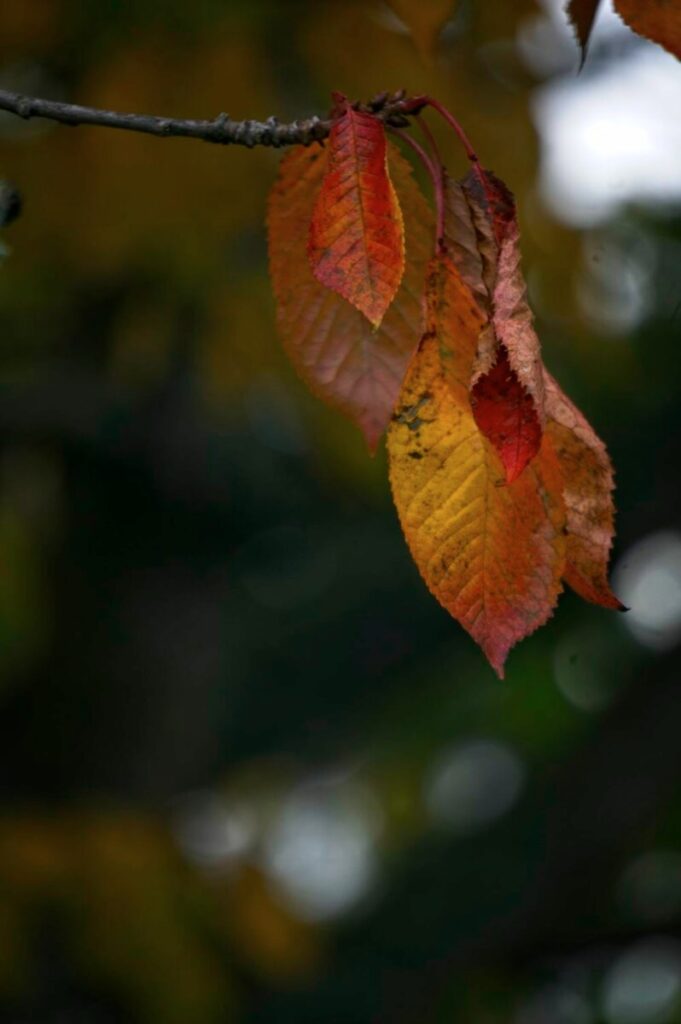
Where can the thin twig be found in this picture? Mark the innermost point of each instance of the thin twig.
(390, 108)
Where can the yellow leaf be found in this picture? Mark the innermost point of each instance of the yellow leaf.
(491, 553)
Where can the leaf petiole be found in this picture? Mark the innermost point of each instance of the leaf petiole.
(418, 103)
(438, 180)
(434, 170)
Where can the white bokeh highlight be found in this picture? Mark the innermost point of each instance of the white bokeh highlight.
(320, 850)
(612, 134)
(611, 138)
(472, 784)
(647, 579)
(211, 830)
(644, 984)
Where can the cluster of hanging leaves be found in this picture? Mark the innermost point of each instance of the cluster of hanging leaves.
(502, 488)
(658, 20)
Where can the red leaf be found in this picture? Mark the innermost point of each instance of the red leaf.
(505, 413)
(483, 237)
(333, 347)
(356, 243)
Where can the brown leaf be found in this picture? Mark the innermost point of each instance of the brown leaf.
(659, 20)
(470, 242)
(513, 320)
(482, 235)
(582, 14)
(588, 487)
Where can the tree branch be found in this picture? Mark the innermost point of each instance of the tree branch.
(392, 109)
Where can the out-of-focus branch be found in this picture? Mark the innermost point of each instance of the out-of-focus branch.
(392, 108)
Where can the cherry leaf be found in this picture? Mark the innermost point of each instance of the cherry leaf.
(492, 553)
(659, 20)
(333, 347)
(588, 487)
(356, 242)
(507, 381)
(582, 14)
(505, 413)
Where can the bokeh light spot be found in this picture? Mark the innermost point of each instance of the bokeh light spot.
(473, 784)
(648, 580)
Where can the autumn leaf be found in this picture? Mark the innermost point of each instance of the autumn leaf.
(659, 20)
(505, 413)
(492, 553)
(507, 383)
(502, 488)
(333, 347)
(582, 14)
(470, 241)
(588, 487)
(356, 243)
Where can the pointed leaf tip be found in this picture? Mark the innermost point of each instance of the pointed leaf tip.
(582, 15)
(595, 592)
(657, 20)
(492, 555)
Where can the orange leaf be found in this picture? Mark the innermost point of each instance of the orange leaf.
(659, 20)
(492, 554)
(507, 382)
(356, 243)
(331, 344)
(588, 477)
(582, 14)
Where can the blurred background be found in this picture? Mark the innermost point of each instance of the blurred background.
(251, 771)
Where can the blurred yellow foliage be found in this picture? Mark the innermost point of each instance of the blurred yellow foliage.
(31, 25)
(136, 921)
(425, 20)
(275, 943)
